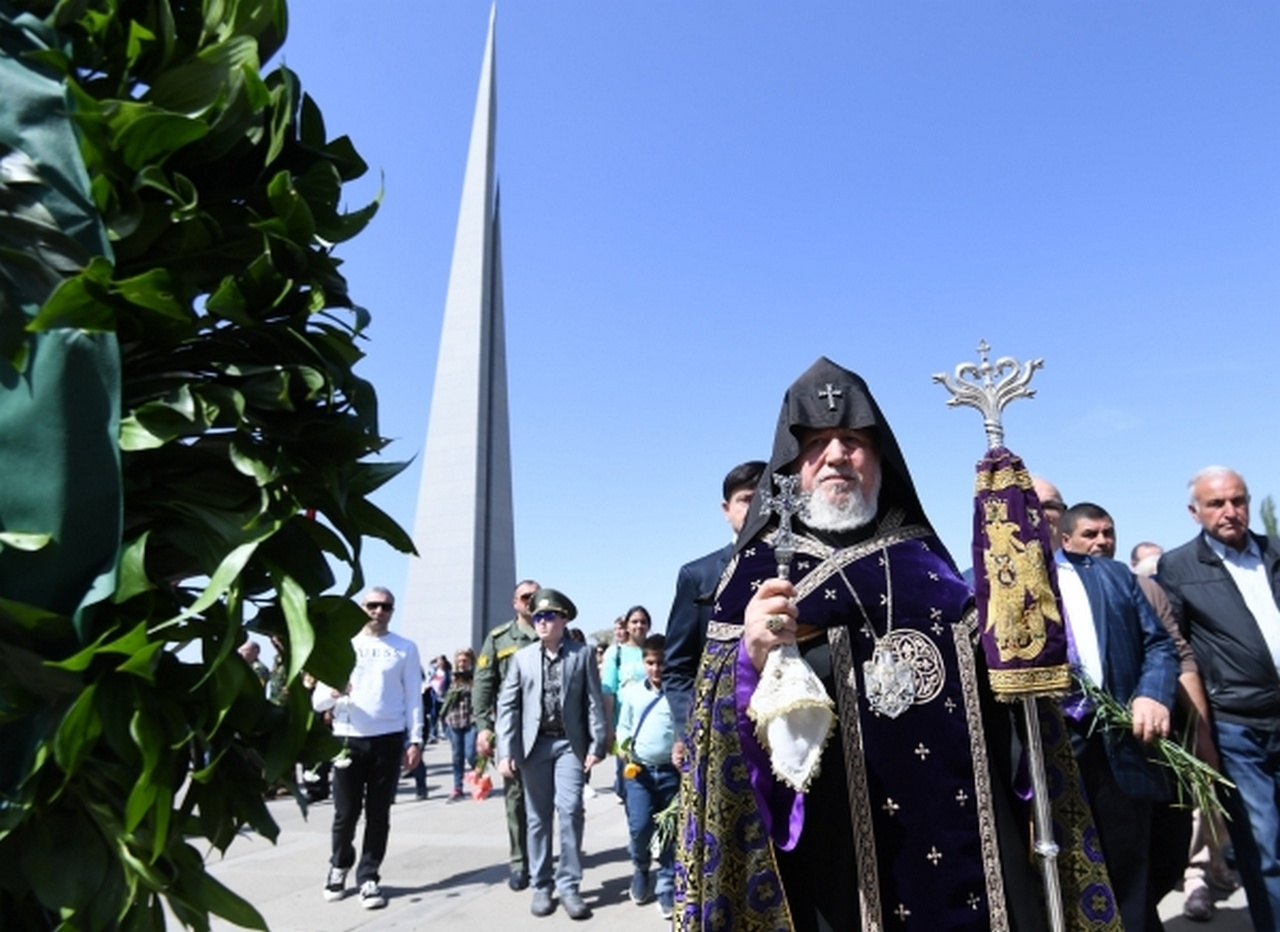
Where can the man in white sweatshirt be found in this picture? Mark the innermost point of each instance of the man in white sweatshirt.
(371, 715)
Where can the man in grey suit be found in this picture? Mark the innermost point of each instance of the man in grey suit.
(551, 728)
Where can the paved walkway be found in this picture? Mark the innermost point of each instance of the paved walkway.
(446, 870)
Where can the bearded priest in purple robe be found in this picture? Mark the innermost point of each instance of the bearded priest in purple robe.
(911, 819)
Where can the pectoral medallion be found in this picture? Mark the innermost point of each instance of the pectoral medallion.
(889, 681)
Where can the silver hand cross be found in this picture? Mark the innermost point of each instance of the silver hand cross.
(788, 502)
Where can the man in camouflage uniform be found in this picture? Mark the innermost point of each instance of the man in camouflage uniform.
(491, 667)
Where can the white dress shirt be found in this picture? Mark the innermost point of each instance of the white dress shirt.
(1084, 633)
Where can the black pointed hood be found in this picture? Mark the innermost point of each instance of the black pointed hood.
(828, 395)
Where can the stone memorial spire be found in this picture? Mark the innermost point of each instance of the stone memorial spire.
(460, 584)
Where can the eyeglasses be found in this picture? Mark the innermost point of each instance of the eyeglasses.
(1053, 505)
(548, 617)
(385, 606)
(524, 598)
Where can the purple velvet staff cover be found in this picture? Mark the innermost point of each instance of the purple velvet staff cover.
(1015, 584)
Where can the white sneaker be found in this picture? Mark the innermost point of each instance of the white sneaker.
(371, 896)
(335, 885)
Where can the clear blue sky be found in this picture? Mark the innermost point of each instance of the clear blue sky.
(701, 198)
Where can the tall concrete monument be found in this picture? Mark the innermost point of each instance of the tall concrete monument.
(460, 584)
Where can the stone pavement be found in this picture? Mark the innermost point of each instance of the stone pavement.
(446, 870)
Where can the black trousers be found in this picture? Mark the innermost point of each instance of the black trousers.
(367, 782)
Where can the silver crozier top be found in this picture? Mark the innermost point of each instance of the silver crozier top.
(788, 502)
(977, 387)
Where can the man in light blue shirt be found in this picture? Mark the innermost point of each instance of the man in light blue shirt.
(646, 733)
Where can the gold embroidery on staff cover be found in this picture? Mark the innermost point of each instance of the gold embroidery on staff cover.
(1002, 479)
(1022, 604)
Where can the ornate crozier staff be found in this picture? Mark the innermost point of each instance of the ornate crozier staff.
(792, 711)
(1020, 618)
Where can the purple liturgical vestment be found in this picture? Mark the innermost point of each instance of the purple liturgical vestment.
(912, 821)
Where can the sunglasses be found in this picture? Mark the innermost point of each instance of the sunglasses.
(547, 617)
(525, 598)
(385, 606)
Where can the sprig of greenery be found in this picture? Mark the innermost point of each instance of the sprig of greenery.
(664, 832)
(1196, 782)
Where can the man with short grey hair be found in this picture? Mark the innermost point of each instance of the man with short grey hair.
(372, 713)
(1224, 586)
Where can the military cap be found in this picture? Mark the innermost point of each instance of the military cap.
(552, 600)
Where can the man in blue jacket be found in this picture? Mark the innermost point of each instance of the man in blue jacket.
(1117, 642)
(1224, 586)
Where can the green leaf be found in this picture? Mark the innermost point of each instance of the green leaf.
(282, 101)
(195, 87)
(145, 133)
(334, 619)
(375, 522)
(63, 858)
(80, 661)
(181, 190)
(291, 208)
(246, 460)
(228, 570)
(224, 902)
(141, 661)
(302, 636)
(139, 37)
(132, 575)
(135, 437)
(368, 477)
(311, 123)
(162, 813)
(228, 302)
(82, 302)
(27, 541)
(79, 730)
(153, 290)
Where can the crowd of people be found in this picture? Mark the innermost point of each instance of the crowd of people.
(815, 742)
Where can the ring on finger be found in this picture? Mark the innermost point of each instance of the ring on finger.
(775, 623)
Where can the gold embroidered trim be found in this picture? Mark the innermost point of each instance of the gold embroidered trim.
(981, 780)
(1013, 685)
(855, 765)
(729, 569)
(1002, 479)
(723, 631)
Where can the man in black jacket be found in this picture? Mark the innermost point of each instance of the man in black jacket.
(691, 610)
(1224, 586)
